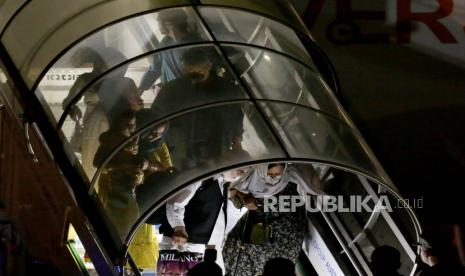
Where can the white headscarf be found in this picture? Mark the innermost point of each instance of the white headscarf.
(257, 182)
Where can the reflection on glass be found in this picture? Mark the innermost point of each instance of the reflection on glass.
(93, 122)
(207, 138)
(281, 10)
(402, 217)
(131, 38)
(345, 184)
(350, 193)
(162, 157)
(204, 81)
(239, 26)
(372, 219)
(105, 103)
(121, 176)
(272, 76)
(308, 134)
(167, 66)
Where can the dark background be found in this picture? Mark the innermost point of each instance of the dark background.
(402, 82)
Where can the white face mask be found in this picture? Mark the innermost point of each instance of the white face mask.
(273, 180)
(179, 247)
(229, 176)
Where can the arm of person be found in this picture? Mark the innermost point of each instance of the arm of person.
(308, 175)
(175, 207)
(241, 199)
(164, 102)
(152, 74)
(238, 127)
(75, 113)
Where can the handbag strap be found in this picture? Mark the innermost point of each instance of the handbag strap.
(225, 204)
(77, 124)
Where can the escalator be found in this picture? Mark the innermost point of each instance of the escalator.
(254, 89)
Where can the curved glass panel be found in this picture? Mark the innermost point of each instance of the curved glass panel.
(241, 26)
(311, 135)
(178, 116)
(368, 217)
(276, 77)
(281, 10)
(403, 218)
(125, 40)
(382, 234)
(344, 184)
(32, 49)
(7, 10)
(152, 164)
(203, 79)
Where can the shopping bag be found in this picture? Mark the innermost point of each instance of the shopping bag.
(174, 262)
(76, 138)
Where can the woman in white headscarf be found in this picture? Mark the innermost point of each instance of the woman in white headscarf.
(265, 233)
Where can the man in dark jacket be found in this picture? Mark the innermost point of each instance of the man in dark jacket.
(198, 215)
(202, 136)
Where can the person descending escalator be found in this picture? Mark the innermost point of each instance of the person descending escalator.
(167, 65)
(197, 217)
(262, 235)
(204, 136)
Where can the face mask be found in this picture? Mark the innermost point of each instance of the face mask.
(178, 247)
(153, 138)
(229, 178)
(195, 77)
(273, 180)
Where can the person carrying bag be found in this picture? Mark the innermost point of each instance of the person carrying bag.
(259, 235)
(76, 138)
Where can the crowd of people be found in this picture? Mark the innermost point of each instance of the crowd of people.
(131, 160)
(226, 211)
(134, 154)
(115, 111)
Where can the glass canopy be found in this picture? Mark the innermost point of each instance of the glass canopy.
(155, 97)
